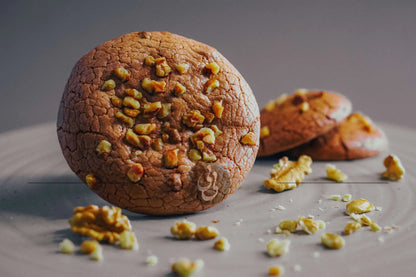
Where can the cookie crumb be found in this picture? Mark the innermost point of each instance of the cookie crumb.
(277, 247)
(335, 174)
(276, 270)
(97, 255)
(66, 247)
(394, 168)
(222, 244)
(185, 267)
(152, 260)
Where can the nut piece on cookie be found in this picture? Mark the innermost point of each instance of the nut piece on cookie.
(217, 108)
(108, 85)
(135, 173)
(162, 67)
(332, 173)
(288, 174)
(182, 68)
(171, 158)
(212, 68)
(122, 74)
(248, 139)
(211, 84)
(90, 180)
(264, 132)
(394, 168)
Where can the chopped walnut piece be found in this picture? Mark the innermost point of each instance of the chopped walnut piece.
(157, 144)
(277, 247)
(206, 232)
(140, 141)
(104, 147)
(134, 93)
(145, 128)
(211, 84)
(102, 224)
(204, 135)
(182, 68)
(289, 225)
(222, 244)
(183, 230)
(193, 118)
(276, 270)
(208, 156)
(175, 182)
(97, 254)
(184, 267)
(122, 73)
(362, 219)
(394, 168)
(332, 241)
(165, 111)
(218, 108)
(162, 67)
(179, 89)
(359, 206)
(194, 155)
(150, 61)
(128, 241)
(249, 139)
(351, 227)
(124, 118)
(264, 132)
(335, 174)
(66, 246)
(116, 101)
(308, 225)
(171, 158)
(89, 246)
(131, 112)
(153, 86)
(288, 174)
(130, 102)
(217, 132)
(212, 68)
(108, 85)
(304, 107)
(135, 172)
(90, 180)
(270, 105)
(152, 108)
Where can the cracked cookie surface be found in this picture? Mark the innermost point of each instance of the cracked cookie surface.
(142, 112)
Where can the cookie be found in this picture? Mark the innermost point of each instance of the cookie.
(356, 137)
(159, 124)
(293, 120)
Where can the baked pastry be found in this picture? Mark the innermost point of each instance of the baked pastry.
(296, 119)
(356, 137)
(157, 123)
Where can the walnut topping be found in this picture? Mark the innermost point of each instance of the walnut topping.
(150, 61)
(211, 84)
(124, 118)
(102, 224)
(165, 111)
(206, 232)
(301, 91)
(212, 68)
(281, 99)
(359, 206)
(179, 89)
(170, 158)
(288, 174)
(394, 168)
(183, 230)
(270, 106)
(157, 144)
(116, 101)
(152, 108)
(142, 141)
(108, 85)
(135, 172)
(217, 132)
(175, 182)
(122, 74)
(145, 128)
(104, 147)
(264, 132)
(194, 155)
(304, 107)
(153, 86)
(289, 225)
(248, 139)
(332, 241)
(90, 180)
(218, 108)
(205, 135)
(193, 118)
(134, 93)
(182, 68)
(209, 117)
(131, 112)
(162, 67)
(208, 156)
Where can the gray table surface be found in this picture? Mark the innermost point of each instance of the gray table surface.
(363, 49)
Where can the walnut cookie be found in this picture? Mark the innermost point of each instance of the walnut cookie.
(157, 123)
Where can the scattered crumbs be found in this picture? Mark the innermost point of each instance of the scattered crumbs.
(346, 198)
(152, 260)
(273, 209)
(388, 229)
(297, 267)
(336, 207)
(320, 201)
(381, 239)
(238, 223)
(379, 209)
(216, 221)
(311, 216)
(261, 240)
(269, 231)
(280, 208)
(321, 209)
(290, 200)
(335, 197)
(316, 254)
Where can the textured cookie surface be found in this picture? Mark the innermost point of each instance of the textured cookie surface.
(296, 119)
(355, 138)
(156, 123)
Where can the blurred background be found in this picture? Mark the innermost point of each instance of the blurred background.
(363, 49)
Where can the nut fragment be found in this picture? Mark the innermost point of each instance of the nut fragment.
(157, 144)
(208, 156)
(193, 118)
(97, 255)
(183, 230)
(108, 85)
(165, 111)
(116, 101)
(104, 147)
(264, 132)
(362, 219)
(346, 198)
(212, 68)
(66, 246)
(394, 168)
(142, 141)
(222, 244)
(89, 246)
(276, 270)
(152, 260)
(217, 132)
(122, 73)
(351, 227)
(304, 107)
(153, 86)
(130, 102)
(134, 93)
(128, 241)
(175, 182)
(131, 112)
(359, 206)
(310, 226)
(288, 174)
(184, 267)
(90, 180)
(335, 174)
(150, 109)
(204, 135)
(217, 108)
(145, 128)
(162, 67)
(135, 172)
(182, 68)
(206, 232)
(171, 158)
(249, 139)
(289, 225)
(277, 247)
(194, 155)
(149, 61)
(124, 118)
(179, 89)
(211, 84)
(332, 241)
(102, 224)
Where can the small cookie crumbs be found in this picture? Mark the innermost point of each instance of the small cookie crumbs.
(152, 260)
(346, 198)
(276, 270)
(335, 174)
(316, 254)
(297, 267)
(335, 197)
(128, 241)
(280, 208)
(66, 246)
(185, 267)
(97, 255)
(277, 247)
(222, 244)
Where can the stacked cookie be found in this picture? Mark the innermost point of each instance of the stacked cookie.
(319, 124)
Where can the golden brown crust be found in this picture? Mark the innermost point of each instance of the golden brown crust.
(88, 115)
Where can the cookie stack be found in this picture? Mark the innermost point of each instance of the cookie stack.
(319, 124)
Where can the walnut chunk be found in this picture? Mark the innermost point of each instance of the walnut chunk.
(212, 68)
(359, 206)
(170, 158)
(277, 247)
(165, 110)
(131, 112)
(394, 168)
(104, 147)
(194, 155)
(135, 173)
(122, 73)
(157, 144)
(288, 174)
(145, 128)
(204, 135)
(108, 85)
(149, 60)
(134, 93)
(89, 246)
(289, 225)
(175, 182)
(130, 102)
(152, 108)
(332, 241)
(222, 244)
(264, 132)
(66, 246)
(217, 131)
(248, 139)
(117, 102)
(211, 84)
(310, 226)
(124, 118)
(140, 141)
(351, 227)
(304, 107)
(217, 108)
(182, 68)
(162, 67)
(183, 230)
(193, 118)
(128, 241)
(208, 156)
(185, 267)
(335, 174)
(179, 89)
(90, 180)
(206, 232)
(153, 86)
(102, 224)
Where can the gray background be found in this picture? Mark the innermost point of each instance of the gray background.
(363, 49)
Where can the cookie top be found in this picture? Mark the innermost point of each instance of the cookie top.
(293, 120)
(157, 123)
(356, 137)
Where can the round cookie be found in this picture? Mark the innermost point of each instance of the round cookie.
(159, 124)
(355, 138)
(293, 120)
